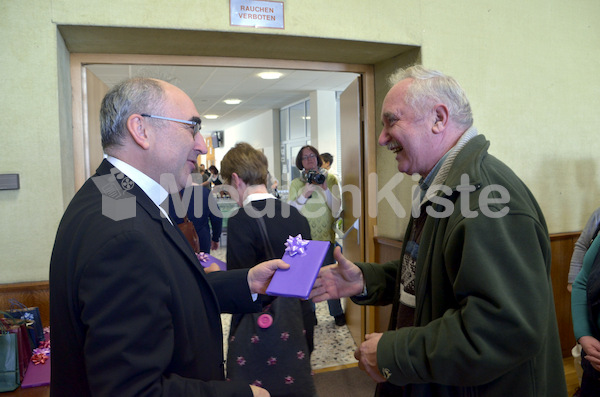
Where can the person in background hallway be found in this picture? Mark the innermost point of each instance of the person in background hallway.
(320, 203)
(585, 303)
(199, 176)
(202, 211)
(204, 174)
(326, 159)
(216, 182)
(272, 184)
(214, 178)
(131, 310)
(581, 246)
(473, 310)
(245, 169)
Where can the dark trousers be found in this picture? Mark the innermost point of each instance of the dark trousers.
(590, 380)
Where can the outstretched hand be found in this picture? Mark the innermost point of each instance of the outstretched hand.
(260, 275)
(337, 281)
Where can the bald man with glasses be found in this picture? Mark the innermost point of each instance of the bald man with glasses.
(132, 311)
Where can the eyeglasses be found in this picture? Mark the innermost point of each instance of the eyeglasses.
(310, 156)
(195, 122)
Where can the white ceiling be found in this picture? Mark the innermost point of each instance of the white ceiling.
(210, 86)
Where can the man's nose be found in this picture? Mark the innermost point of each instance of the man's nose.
(200, 144)
(383, 137)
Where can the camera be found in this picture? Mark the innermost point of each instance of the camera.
(315, 177)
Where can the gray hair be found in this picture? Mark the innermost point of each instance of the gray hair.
(433, 86)
(137, 95)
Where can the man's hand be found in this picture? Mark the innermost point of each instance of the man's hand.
(260, 275)
(337, 281)
(259, 391)
(366, 355)
(591, 347)
(212, 268)
(214, 245)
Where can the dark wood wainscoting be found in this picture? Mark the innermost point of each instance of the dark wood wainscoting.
(30, 294)
(562, 248)
(562, 245)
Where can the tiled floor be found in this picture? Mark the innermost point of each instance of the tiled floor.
(334, 345)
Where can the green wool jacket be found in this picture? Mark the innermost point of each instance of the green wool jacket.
(485, 323)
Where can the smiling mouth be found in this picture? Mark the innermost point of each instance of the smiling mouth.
(395, 147)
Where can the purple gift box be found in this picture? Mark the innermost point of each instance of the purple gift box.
(298, 280)
(37, 375)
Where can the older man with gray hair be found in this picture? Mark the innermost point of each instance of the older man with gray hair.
(473, 309)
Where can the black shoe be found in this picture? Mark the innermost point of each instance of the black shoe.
(340, 320)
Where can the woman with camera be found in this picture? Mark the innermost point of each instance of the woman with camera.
(316, 194)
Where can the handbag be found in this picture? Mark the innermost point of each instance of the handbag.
(269, 349)
(24, 347)
(9, 360)
(189, 231)
(30, 314)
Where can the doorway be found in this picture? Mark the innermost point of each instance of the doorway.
(85, 95)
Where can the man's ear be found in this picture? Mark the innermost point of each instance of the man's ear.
(441, 119)
(137, 130)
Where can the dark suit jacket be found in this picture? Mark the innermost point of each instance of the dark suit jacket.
(132, 312)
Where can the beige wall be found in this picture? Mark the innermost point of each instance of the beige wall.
(529, 68)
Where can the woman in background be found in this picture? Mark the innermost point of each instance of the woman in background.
(245, 170)
(316, 195)
(585, 311)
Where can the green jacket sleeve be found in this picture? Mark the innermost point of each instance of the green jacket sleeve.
(380, 280)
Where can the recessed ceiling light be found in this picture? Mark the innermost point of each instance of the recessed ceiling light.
(211, 116)
(233, 101)
(270, 75)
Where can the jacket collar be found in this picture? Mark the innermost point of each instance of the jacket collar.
(463, 154)
(468, 161)
(154, 211)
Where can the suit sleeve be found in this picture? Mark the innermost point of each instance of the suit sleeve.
(233, 291)
(126, 306)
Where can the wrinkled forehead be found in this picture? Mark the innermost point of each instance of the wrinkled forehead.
(395, 99)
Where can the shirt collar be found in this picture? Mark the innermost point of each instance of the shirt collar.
(425, 182)
(257, 196)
